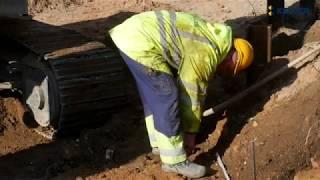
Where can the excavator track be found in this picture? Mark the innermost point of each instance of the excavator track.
(89, 86)
(70, 81)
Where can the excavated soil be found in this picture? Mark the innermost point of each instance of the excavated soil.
(280, 120)
(37, 6)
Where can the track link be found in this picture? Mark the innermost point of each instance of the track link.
(86, 79)
(89, 86)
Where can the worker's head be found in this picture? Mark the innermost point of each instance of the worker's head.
(238, 59)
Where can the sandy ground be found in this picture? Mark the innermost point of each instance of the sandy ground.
(281, 120)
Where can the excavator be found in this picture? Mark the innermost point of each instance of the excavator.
(66, 80)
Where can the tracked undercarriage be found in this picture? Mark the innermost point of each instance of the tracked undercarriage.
(67, 80)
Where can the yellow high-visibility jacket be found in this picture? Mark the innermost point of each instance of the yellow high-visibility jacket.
(193, 46)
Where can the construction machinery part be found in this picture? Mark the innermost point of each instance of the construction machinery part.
(275, 18)
(13, 7)
(40, 90)
(68, 80)
(89, 86)
(5, 85)
(260, 36)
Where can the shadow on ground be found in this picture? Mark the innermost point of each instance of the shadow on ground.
(94, 150)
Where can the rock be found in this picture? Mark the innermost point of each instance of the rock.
(228, 11)
(254, 124)
(79, 178)
(236, 148)
(262, 143)
(315, 164)
(252, 119)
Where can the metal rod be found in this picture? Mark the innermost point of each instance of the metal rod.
(222, 167)
(5, 85)
(253, 156)
(244, 93)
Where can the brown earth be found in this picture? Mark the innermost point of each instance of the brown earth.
(281, 120)
(37, 6)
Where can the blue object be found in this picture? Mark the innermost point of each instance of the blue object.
(159, 95)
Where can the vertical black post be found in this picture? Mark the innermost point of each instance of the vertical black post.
(273, 9)
(311, 12)
(260, 36)
(311, 6)
(253, 157)
(308, 4)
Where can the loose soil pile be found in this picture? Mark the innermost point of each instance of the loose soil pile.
(38, 6)
(281, 120)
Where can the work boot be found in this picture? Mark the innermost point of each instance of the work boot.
(186, 168)
(155, 151)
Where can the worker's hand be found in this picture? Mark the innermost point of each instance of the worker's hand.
(189, 142)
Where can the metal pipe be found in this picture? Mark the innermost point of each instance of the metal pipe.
(244, 93)
(5, 85)
(253, 157)
(224, 170)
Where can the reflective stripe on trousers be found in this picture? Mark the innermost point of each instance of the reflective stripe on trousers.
(160, 100)
(171, 148)
(150, 130)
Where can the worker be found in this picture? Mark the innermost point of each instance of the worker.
(172, 56)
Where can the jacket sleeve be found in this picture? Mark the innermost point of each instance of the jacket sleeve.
(194, 75)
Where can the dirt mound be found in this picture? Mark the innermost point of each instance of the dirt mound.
(10, 113)
(37, 6)
(309, 173)
(313, 34)
(13, 133)
(312, 174)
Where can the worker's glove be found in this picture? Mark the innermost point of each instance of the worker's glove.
(189, 142)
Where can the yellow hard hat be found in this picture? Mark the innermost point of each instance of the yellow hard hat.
(245, 54)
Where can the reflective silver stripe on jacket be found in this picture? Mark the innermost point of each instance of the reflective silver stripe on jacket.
(193, 87)
(163, 40)
(152, 138)
(173, 152)
(162, 29)
(186, 99)
(175, 34)
(196, 37)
